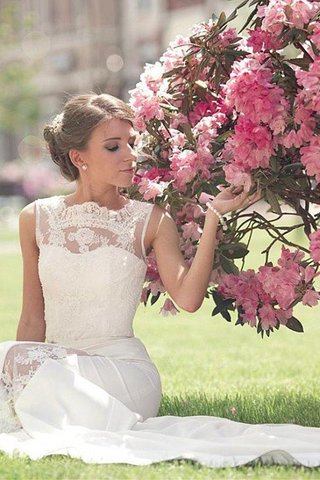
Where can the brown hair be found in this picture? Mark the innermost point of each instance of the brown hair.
(73, 127)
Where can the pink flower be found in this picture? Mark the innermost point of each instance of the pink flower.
(251, 91)
(267, 317)
(273, 17)
(156, 287)
(144, 295)
(191, 230)
(168, 308)
(315, 245)
(310, 298)
(293, 13)
(283, 315)
(300, 12)
(151, 189)
(237, 177)
(280, 283)
(146, 103)
(184, 167)
(310, 157)
(288, 258)
(227, 37)
(315, 37)
(152, 268)
(261, 40)
(251, 145)
(173, 56)
(153, 76)
(309, 81)
(202, 109)
(177, 140)
(308, 273)
(178, 119)
(158, 173)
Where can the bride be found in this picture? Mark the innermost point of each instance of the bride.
(77, 381)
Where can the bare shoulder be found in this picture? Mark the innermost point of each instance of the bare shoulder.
(161, 223)
(27, 221)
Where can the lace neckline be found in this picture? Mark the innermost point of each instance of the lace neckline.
(90, 206)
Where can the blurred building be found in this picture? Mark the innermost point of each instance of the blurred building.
(94, 45)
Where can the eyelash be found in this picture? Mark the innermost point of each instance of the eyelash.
(114, 149)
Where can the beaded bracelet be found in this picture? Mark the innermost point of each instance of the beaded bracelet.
(218, 214)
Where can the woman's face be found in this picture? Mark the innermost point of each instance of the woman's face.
(111, 154)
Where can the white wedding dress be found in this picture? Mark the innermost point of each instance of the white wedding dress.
(91, 391)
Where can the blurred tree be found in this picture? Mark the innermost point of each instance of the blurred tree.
(18, 97)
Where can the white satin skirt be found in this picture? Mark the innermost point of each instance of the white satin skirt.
(102, 408)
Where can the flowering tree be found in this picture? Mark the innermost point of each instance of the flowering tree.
(224, 108)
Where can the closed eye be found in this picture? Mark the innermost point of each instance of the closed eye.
(116, 147)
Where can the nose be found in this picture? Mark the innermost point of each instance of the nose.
(132, 152)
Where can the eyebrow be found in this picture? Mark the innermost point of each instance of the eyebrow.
(119, 138)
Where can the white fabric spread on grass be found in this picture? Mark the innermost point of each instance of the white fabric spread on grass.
(92, 391)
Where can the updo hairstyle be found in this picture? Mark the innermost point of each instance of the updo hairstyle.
(72, 128)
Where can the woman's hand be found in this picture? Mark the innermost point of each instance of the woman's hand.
(230, 199)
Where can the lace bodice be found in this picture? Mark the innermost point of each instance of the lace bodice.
(91, 267)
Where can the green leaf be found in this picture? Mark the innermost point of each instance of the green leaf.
(224, 305)
(252, 14)
(227, 265)
(289, 182)
(226, 315)
(186, 127)
(294, 324)
(273, 201)
(223, 136)
(303, 63)
(154, 298)
(235, 250)
(222, 19)
(274, 164)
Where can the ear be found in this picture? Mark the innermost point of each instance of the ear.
(75, 157)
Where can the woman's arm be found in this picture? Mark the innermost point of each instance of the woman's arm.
(187, 286)
(31, 325)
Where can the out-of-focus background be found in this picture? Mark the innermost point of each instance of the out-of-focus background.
(50, 49)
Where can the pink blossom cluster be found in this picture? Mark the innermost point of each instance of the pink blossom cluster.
(212, 118)
(185, 163)
(228, 36)
(154, 283)
(154, 287)
(309, 81)
(151, 189)
(315, 246)
(291, 13)
(267, 296)
(315, 37)
(262, 115)
(310, 157)
(251, 145)
(148, 95)
(304, 123)
(261, 40)
(173, 57)
(252, 93)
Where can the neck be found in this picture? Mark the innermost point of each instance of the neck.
(109, 197)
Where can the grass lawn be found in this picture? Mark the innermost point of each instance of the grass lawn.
(208, 367)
